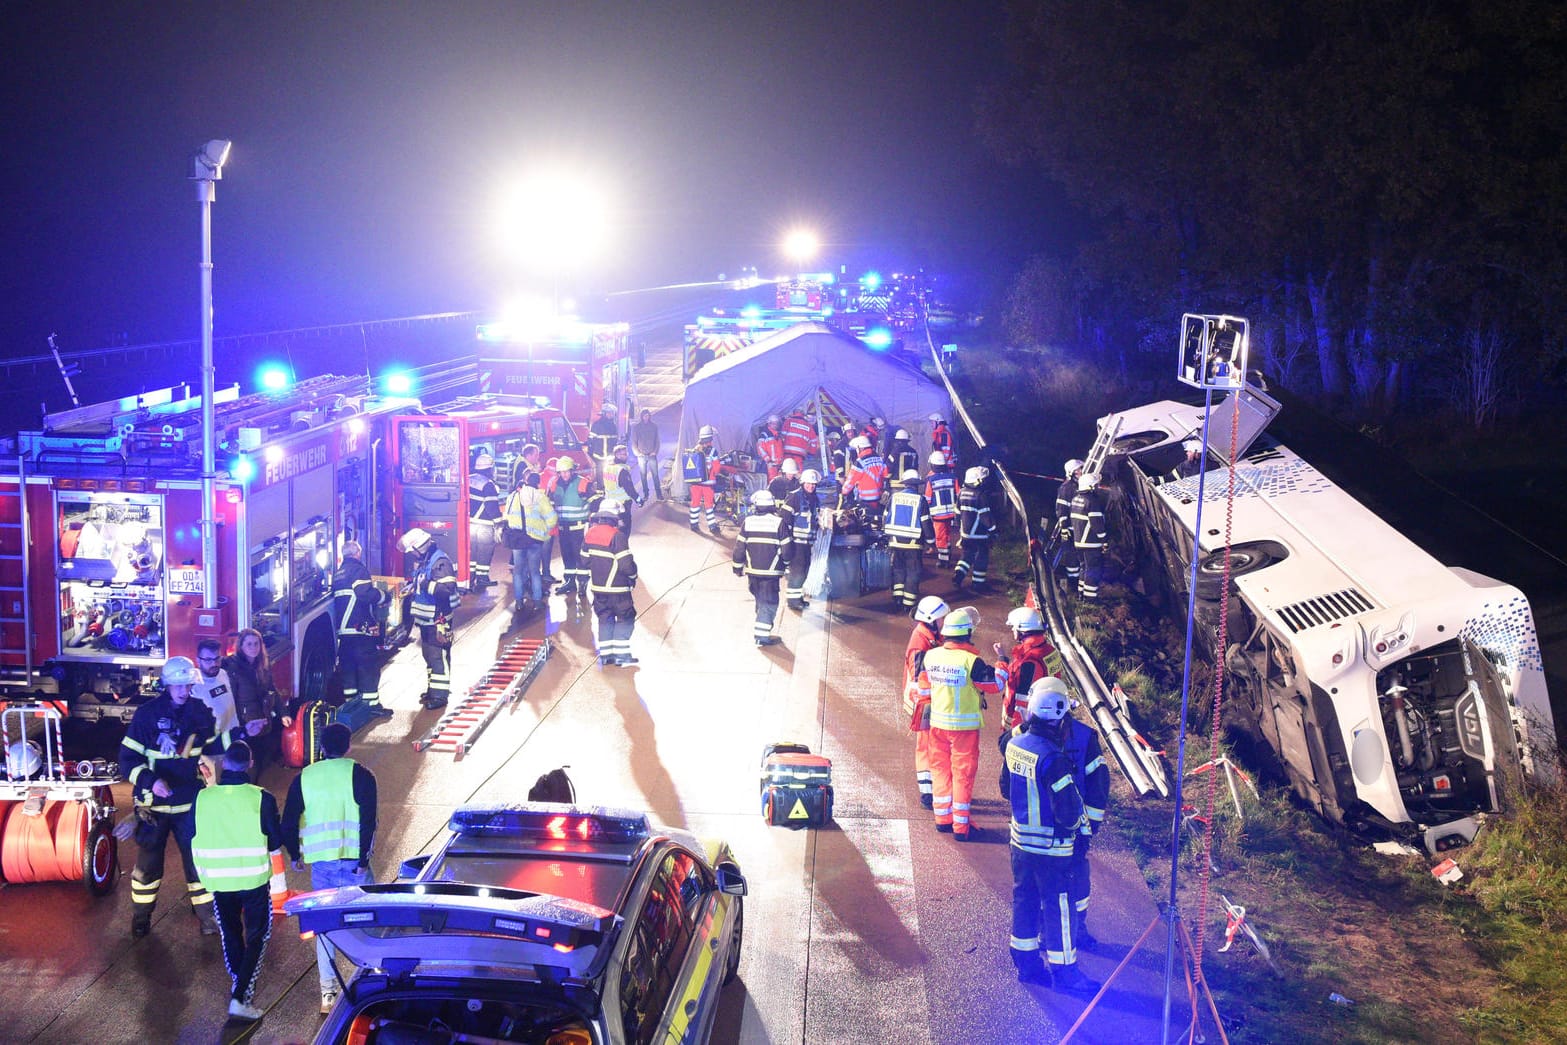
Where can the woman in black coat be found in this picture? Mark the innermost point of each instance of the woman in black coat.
(256, 698)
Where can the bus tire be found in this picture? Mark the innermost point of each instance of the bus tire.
(1244, 559)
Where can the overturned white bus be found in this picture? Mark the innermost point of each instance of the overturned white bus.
(1397, 692)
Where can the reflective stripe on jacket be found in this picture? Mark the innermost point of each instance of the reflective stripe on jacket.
(763, 545)
(958, 681)
(1046, 807)
(329, 829)
(907, 520)
(230, 849)
(941, 490)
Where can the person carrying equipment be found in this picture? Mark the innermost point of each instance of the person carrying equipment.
(354, 601)
(908, 528)
(484, 512)
(1089, 534)
(925, 636)
(612, 574)
(1047, 814)
(801, 509)
(941, 493)
(769, 446)
(975, 528)
(160, 757)
(762, 552)
(958, 682)
(572, 496)
(237, 828)
(433, 584)
(699, 469)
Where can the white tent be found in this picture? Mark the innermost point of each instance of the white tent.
(796, 367)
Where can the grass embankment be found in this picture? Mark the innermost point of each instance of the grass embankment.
(1477, 961)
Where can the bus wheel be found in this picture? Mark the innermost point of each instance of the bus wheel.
(1244, 559)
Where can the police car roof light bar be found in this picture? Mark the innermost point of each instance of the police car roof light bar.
(551, 822)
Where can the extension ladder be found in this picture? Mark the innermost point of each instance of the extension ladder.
(500, 687)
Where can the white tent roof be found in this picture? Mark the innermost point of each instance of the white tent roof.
(775, 375)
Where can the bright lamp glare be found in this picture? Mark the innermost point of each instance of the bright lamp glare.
(801, 244)
(871, 280)
(398, 383)
(242, 469)
(273, 378)
(554, 220)
(878, 338)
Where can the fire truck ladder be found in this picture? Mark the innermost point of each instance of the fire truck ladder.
(500, 687)
(1101, 447)
(16, 620)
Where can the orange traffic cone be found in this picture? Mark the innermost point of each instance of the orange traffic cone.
(279, 884)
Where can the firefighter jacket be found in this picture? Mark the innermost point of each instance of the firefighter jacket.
(974, 519)
(1088, 519)
(799, 436)
(329, 813)
(941, 492)
(1024, 666)
(255, 693)
(763, 547)
(1064, 497)
(907, 521)
(165, 741)
(1047, 810)
(770, 448)
(873, 463)
(941, 439)
(602, 437)
(611, 568)
(484, 499)
(237, 827)
(620, 485)
(801, 509)
(354, 598)
(923, 638)
(901, 458)
(571, 498)
(958, 682)
(434, 589)
(1090, 772)
(699, 465)
(782, 485)
(861, 487)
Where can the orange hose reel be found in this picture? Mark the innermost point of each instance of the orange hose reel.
(46, 848)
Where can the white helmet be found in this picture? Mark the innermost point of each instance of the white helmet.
(859, 442)
(934, 419)
(849, 429)
(909, 476)
(961, 621)
(878, 422)
(180, 671)
(1192, 446)
(22, 759)
(902, 433)
(773, 419)
(930, 610)
(763, 499)
(810, 475)
(609, 408)
(415, 541)
(973, 477)
(1025, 618)
(1089, 481)
(565, 464)
(607, 510)
(789, 467)
(938, 459)
(482, 462)
(1048, 699)
(1072, 467)
(706, 432)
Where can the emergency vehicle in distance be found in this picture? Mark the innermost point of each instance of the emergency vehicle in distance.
(727, 330)
(1398, 693)
(100, 524)
(575, 366)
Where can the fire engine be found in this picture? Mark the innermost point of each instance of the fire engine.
(807, 292)
(576, 366)
(101, 572)
(723, 331)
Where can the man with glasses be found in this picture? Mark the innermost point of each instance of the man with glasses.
(213, 688)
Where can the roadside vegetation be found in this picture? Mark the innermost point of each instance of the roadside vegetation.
(1479, 960)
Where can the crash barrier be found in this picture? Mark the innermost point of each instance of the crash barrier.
(500, 687)
(1141, 765)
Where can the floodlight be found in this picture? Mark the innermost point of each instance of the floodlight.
(207, 164)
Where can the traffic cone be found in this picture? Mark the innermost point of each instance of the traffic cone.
(1028, 598)
(279, 884)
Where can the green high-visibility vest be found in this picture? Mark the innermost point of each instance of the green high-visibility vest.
(230, 849)
(329, 830)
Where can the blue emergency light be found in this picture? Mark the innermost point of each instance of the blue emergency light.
(273, 378)
(397, 383)
(544, 821)
(242, 469)
(880, 338)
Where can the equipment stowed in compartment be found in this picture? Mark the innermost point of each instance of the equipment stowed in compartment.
(796, 786)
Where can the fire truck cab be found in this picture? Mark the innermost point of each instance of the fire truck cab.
(576, 366)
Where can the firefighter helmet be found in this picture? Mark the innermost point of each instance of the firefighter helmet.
(878, 422)
(180, 671)
(938, 459)
(859, 442)
(773, 419)
(810, 475)
(849, 429)
(607, 510)
(1192, 446)
(415, 542)
(789, 467)
(960, 621)
(609, 408)
(565, 464)
(1048, 699)
(763, 499)
(706, 432)
(973, 477)
(902, 433)
(22, 760)
(482, 462)
(909, 475)
(1072, 467)
(930, 610)
(1089, 481)
(934, 419)
(1025, 618)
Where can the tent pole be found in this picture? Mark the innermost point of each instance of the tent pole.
(821, 433)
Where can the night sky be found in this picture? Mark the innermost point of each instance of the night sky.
(372, 143)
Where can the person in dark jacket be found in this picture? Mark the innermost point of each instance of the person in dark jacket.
(256, 698)
(762, 552)
(484, 514)
(355, 599)
(802, 508)
(612, 576)
(1063, 520)
(433, 585)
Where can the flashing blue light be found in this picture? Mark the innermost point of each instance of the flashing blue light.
(751, 312)
(492, 332)
(871, 280)
(243, 469)
(879, 339)
(398, 383)
(273, 378)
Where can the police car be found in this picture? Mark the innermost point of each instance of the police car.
(538, 922)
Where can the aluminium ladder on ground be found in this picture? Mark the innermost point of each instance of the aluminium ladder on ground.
(500, 687)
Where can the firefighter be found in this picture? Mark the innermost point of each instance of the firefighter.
(603, 434)
(1191, 464)
(926, 635)
(354, 601)
(160, 757)
(958, 681)
(1064, 495)
(1089, 534)
(872, 431)
(698, 467)
(799, 438)
(1026, 664)
(645, 443)
(620, 486)
(571, 494)
(329, 820)
(941, 439)
(786, 482)
(901, 456)
(1047, 813)
(613, 575)
(237, 828)
(866, 479)
(433, 585)
(975, 528)
(802, 508)
(484, 511)
(762, 552)
(837, 454)
(941, 493)
(769, 445)
(908, 529)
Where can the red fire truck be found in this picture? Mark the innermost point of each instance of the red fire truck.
(575, 366)
(101, 573)
(806, 292)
